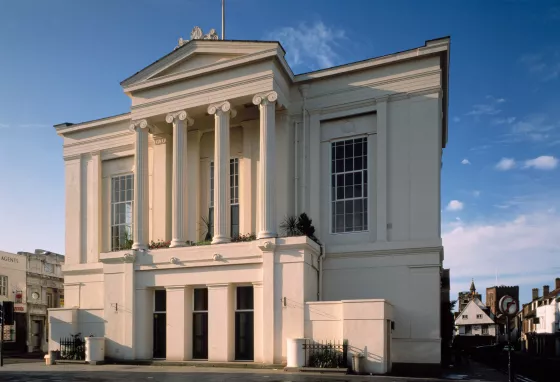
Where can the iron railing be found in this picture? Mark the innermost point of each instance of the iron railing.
(73, 348)
(326, 354)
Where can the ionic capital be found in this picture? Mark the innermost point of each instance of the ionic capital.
(222, 107)
(265, 98)
(139, 125)
(180, 115)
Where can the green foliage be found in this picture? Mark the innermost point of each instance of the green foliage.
(301, 225)
(244, 237)
(327, 357)
(206, 228)
(288, 226)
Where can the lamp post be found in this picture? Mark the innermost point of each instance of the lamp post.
(509, 307)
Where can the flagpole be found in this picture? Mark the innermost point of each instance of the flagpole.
(223, 19)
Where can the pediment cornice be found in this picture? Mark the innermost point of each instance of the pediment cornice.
(243, 52)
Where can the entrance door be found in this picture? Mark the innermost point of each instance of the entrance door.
(36, 331)
(200, 323)
(160, 324)
(244, 326)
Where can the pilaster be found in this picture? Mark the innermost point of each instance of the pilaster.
(94, 208)
(221, 331)
(268, 301)
(267, 107)
(381, 161)
(222, 113)
(178, 331)
(245, 182)
(162, 184)
(141, 185)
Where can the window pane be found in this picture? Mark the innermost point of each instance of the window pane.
(160, 298)
(201, 299)
(340, 165)
(339, 207)
(245, 297)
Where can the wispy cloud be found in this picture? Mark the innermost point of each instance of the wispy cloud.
(535, 128)
(456, 119)
(503, 121)
(544, 66)
(491, 106)
(454, 205)
(4, 126)
(480, 148)
(312, 46)
(465, 161)
(545, 162)
(505, 164)
(476, 193)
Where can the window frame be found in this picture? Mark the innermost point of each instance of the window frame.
(365, 205)
(465, 317)
(112, 209)
(4, 285)
(211, 183)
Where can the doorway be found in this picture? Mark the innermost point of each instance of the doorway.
(244, 324)
(160, 324)
(36, 334)
(200, 323)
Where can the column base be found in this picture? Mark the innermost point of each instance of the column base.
(266, 235)
(139, 247)
(177, 243)
(221, 240)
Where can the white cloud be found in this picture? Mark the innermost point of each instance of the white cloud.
(456, 119)
(465, 161)
(516, 247)
(545, 162)
(484, 109)
(313, 46)
(454, 205)
(504, 121)
(544, 66)
(505, 164)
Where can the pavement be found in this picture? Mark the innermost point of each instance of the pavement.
(20, 370)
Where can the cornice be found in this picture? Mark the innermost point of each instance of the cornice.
(97, 139)
(204, 91)
(429, 49)
(233, 62)
(386, 252)
(65, 129)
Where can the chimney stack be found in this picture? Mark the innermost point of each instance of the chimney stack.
(545, 290)
(535, 293)
(557, 283)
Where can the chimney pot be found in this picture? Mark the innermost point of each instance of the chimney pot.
(545, 290)
(535, 293)
(557, 283)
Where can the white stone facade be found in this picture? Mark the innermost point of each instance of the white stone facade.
(218, 124)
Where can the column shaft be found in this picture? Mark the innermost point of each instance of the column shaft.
(141, 185)
(222, 113)
(267, 221)
(180, 122)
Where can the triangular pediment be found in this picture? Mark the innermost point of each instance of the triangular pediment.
(201, 56)
(473, 309)
(196, 61)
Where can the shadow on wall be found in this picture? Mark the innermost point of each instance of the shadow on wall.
(90, 324)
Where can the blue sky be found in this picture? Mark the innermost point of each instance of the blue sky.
(63, 61)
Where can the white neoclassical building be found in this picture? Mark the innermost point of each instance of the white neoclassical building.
(222, 141)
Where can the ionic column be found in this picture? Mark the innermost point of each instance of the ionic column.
(180, 121)
(141, 185)
(267, 222)
(222, 113)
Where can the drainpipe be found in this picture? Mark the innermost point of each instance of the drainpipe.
(321, 259)
(304, 90)
(296, 178)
